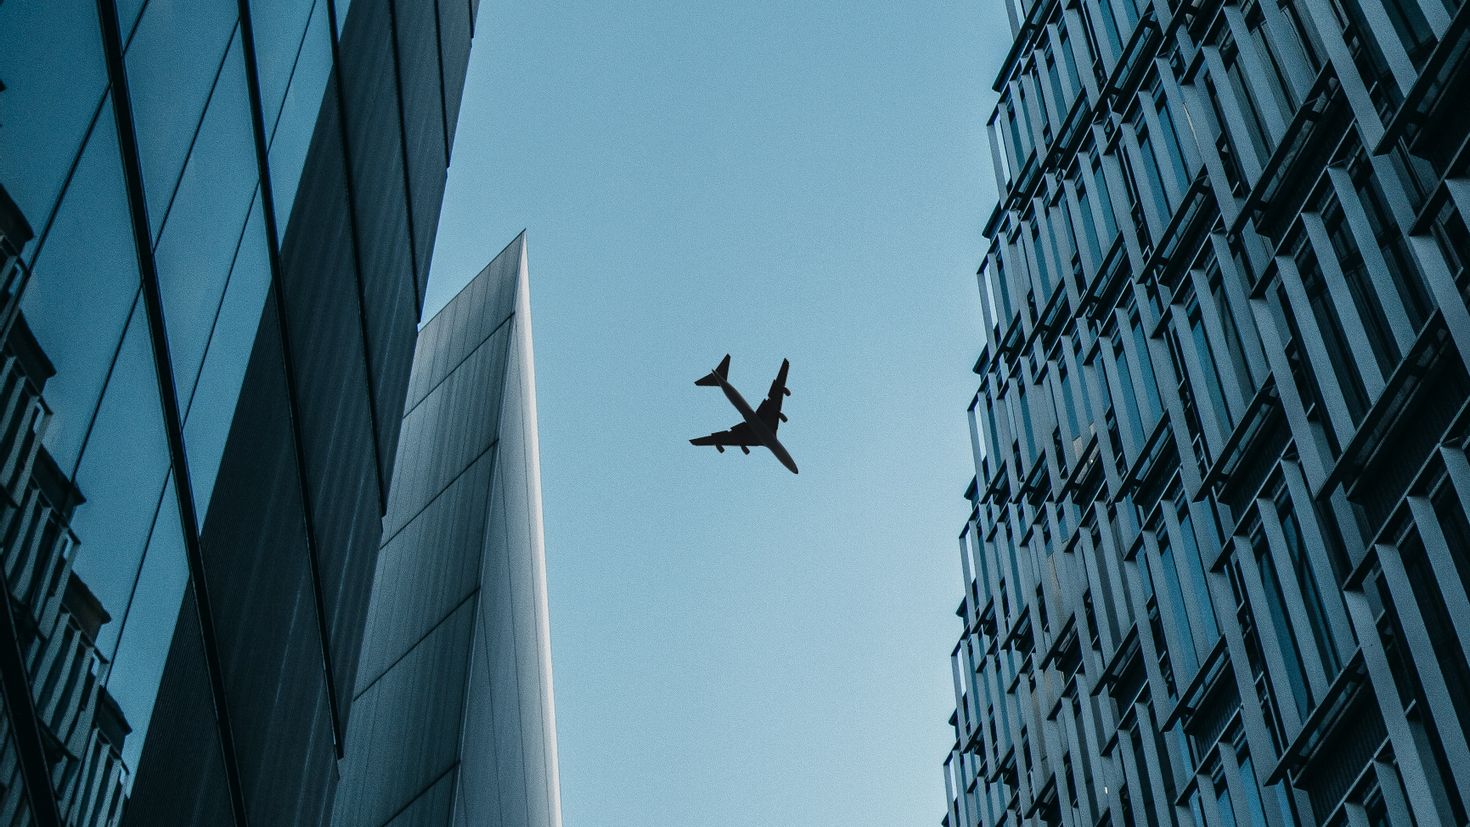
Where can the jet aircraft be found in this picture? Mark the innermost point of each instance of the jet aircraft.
(759, 427)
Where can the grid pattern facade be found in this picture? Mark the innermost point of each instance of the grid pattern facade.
(1217, 565)
(453, 720)
(216, 218)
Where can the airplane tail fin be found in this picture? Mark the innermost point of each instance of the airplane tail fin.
(714, 376)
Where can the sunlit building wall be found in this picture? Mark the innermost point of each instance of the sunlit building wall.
(1217, 565)
(216, 221)
(453, 718)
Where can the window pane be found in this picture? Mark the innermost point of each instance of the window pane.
(89, 253)
(172, 63)
(205, 223)
(51, 64)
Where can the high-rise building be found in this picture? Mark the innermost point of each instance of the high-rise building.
(1217, 565)
(217, 224)
(452, 718)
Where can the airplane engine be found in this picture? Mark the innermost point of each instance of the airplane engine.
(744, 449)
(783, 417)
(786, 391)
(720, 448)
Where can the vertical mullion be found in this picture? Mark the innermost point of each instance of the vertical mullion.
(168, 398)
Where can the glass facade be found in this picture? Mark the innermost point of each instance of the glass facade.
(1217, 562)
(212, 264)
(453, 720)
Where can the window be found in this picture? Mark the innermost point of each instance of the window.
(1255, 126)
(1360, 286)
(1334, 338)
(1392, 242)
(1367, 56)
(1296, 554)
(1286, 640)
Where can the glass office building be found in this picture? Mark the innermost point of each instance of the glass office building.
(216, 220)
(1217, 564)
(453, 721)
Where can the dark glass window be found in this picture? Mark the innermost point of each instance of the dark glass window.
(1360, 287)
(1301, 566)
(1154, 405)
(1224, 144)
(1445, 646)
(1412, 28)
(1334, 338)
(1367, 55)
(1169, 567)
(1195, 565)
(1286, 639)
(1214, 390)
(1277, 80)
(1169, 139)
(1305, 34)
(1456, 527)
(1450, 233)
(1255, 126)
(1155, 179)
(1392, 242)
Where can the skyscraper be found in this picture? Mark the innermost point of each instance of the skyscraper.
(1217, 563)
(453, 719)
(218, 217)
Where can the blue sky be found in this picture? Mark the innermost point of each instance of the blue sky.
(735, 645)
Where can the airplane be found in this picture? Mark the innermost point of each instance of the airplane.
(759, 427)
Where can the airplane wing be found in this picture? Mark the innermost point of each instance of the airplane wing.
(738, 435)
(770, 408)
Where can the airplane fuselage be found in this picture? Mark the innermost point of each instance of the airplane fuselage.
(758, 426)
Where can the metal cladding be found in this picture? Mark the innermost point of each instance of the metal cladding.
(453, 721)
(1217, 565)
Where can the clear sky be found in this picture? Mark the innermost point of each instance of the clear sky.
(735, 645)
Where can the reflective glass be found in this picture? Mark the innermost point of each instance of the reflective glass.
(298, 115)
(54, 79)
(147, 628)
(88, 253)
(121, 475)
(204, 225)
(173, 62)
(279, 26)
(211, 408)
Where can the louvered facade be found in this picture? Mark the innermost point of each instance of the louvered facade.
(1217, 564)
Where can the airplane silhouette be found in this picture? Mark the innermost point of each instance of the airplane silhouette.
(759, 427)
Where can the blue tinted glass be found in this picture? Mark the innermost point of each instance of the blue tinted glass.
(148, 627)
(121, 477)
(88, 253)
(127, 17)
(173, 61)
(279, 28)
(292, 136)
(51, 63)
(212, 407)
(204, 224)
